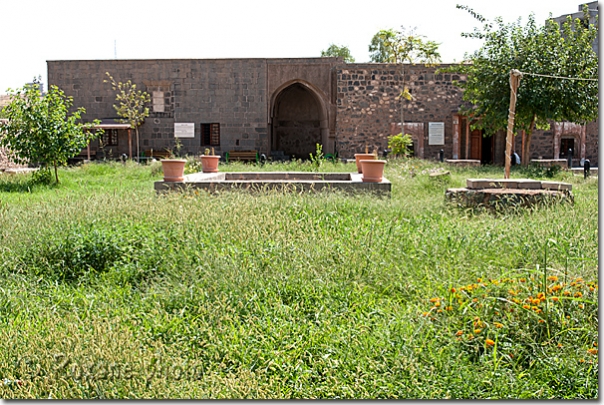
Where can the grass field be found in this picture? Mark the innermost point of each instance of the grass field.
(112, 291)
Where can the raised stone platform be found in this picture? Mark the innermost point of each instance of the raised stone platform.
(286, 181)
(491, 193)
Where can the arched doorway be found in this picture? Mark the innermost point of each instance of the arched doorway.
(298, 121)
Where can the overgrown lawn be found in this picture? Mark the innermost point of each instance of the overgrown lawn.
(112, 291)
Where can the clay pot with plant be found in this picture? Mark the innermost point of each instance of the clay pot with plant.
(209, 162)
(174, 167)
(372, 169)
(360, 156)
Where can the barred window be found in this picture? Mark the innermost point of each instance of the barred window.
(210, 134)
(110, 137)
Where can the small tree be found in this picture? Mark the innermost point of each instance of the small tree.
(41, 130)
(405, 46)
(559, 68)
(338, 51)
(131, 105)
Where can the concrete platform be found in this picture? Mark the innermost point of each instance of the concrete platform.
(286, 181)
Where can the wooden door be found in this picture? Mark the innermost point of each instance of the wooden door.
(476, 144)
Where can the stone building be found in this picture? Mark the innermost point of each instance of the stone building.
(284, 107)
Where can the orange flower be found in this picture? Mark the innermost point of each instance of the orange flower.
(566, 293)
(592, 351)
(526, 306)
(522, 280)
(425, 314)
(490, 342)
(459, 333)
(578, 294)
(477, 331)
(560, 345)
(498, 325)
(552, 278)
(436, 299)
(555, 299)
(581, 306)
(453, 290)
(449, 308)
(541, 321)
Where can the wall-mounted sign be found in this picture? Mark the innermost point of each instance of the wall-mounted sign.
(184, 130)
(436, 133)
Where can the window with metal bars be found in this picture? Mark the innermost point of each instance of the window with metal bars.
(210, 134)
(110, 137)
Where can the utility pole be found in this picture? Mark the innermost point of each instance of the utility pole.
(515, 76)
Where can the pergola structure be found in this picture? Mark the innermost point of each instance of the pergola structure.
(110, 123)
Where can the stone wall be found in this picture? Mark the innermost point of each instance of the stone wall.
(368, 103)
(353, 105)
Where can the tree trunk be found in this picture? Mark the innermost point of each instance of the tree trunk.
(526, 157)
(138, 153)
(56, 173)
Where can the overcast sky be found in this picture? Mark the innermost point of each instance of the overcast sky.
(33, 32)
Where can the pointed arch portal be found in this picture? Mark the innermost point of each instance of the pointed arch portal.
(299, 121)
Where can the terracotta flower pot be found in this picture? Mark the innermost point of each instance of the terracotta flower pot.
(359, 156)
(209, 163)
(174, 169)
(373, 170)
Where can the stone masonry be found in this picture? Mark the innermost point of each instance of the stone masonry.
(287, 106)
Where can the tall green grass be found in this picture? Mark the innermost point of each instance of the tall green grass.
(113, 291)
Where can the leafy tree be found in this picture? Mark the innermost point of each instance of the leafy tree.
(131, 105)
(405, 46)
(336, 51)
(41, 130)
(558, 65)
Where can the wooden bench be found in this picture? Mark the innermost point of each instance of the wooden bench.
(162, 154)
(243, 155)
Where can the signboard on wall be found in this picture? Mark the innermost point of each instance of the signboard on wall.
(436, 133)
(184, 130)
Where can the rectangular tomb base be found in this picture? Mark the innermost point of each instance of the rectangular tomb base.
(493, 193)
(285, 181)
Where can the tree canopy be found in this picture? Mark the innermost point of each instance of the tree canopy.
(404, 46)
(559, 66)
(338, 51)
(41, 130)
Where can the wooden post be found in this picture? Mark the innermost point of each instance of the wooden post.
(515, 76)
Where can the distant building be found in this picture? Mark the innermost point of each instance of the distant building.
(592, 19)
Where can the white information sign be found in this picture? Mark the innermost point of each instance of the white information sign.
(436, 133)
(184, 130)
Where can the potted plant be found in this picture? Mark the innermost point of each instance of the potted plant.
(360, 156)
(209, 163)
(372, 169)
(174, 167)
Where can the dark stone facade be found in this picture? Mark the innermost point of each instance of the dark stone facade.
(287, 106)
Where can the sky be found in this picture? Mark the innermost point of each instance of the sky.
(34, 31)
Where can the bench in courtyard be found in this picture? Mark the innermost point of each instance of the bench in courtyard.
(243, 155)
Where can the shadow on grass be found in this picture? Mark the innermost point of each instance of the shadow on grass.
(26, 184)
